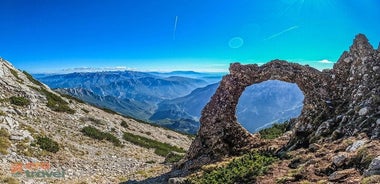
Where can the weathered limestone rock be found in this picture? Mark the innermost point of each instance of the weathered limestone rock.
(374, 167)
(341, 175)
(340, 159)
(356, 145)
(21, 135)
(331, 96)
(176, 181)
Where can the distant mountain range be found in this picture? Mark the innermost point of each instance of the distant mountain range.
(269, 102)
(88, 144)
(259, 106)
(175, 99)
(132, 93)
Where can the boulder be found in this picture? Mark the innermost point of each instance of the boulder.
(373, 168)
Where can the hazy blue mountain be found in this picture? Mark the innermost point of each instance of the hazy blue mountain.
(175, 99)
(124, 106)
(183, 113)
(139, 86)
(269, 102)
(89, 79)
(188, 107)
(127, 92)
(260, 105)
(209, 77)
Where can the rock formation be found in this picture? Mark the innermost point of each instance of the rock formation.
(343, 101)
(84, 159)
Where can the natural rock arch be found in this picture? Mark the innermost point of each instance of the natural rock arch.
(221, 135)
(340, 102)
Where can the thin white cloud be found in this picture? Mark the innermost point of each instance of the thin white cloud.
(325, 61)
(175, 26)
(96, 69)
(282, 32)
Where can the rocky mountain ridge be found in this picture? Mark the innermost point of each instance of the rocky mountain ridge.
(134, 93)
(34, 119)
(340, 104)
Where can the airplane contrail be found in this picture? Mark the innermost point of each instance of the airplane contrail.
(282, 32)
(175, 26)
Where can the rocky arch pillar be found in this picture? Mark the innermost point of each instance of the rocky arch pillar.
(220, 135)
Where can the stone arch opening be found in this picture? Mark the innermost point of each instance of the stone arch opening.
(331, 98)
(221, 135)
(272, 101)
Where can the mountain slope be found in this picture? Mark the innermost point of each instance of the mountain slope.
(124, 106)
(128, 84)
(183, 113)
(33, 117)
(131, 93)
(191, 104)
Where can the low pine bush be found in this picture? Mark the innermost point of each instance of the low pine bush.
(275, 131)
(241, 170)
(162, 149)
(55, 102)
(19, 100)
(48, 144)
(4, 141)
(124, 124)
(94, 133)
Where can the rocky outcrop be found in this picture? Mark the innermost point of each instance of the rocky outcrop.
(374, 167)
(84, 160)
(340, 102)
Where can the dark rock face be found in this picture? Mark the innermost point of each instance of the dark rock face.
(340, 102)
(374, 167)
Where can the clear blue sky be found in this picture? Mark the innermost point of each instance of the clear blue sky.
(163, 35)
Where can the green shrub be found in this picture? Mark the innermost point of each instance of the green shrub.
(275, 131)
(71, 97)
(111, 138)
(371, 179)
(55, 102)
(94, 133)
(19, 100)
(15, 74)
(362, 159)
(108, 110)
(94, 120)
(150, 162)
(124, 124)
(162, 149)
(31, 79)
(240, 170)
(2, 113)
(191, 136)
(85, 110)
(9, 180)
(4, 141)
(48, 144)
(173, 157)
